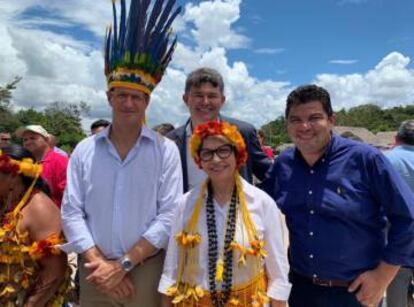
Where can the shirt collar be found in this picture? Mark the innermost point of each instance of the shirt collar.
(47, 155)
(248, 189)
(406, 147)
(145, 133)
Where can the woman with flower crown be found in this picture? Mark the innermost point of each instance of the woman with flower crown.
(226, 247)
(33, 272)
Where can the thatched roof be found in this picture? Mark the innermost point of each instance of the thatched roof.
(363, 133)
(381, 139)
(385, 139)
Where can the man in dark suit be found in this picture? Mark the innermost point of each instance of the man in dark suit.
(204, 97)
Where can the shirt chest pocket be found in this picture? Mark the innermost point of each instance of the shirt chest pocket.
(347, 201)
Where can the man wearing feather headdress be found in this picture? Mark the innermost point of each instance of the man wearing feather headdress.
(124, 181)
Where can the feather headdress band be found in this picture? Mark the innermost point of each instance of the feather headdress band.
(138, 49)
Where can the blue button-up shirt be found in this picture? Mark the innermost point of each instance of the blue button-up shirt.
(111, 203)
(402, 158)
(337, 210)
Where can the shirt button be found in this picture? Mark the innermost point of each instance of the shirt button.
(311, 233)
(312, 212)
(311, 256)
(312, 171)
(314, 275)
(310, 192)
(323, 160)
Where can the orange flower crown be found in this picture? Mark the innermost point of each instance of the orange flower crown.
(218, 128)
(27, 167)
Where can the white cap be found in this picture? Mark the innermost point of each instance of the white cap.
(33, 128)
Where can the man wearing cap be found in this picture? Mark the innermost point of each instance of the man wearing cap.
(337, 195)
(36, 140)
(204, 97)
(124, 182)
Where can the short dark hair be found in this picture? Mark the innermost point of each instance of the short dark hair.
(100, 123)
(204, 75)
(405, 132)
(164, 128)
(308, 93)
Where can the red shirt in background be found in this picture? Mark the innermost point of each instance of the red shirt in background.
(268, 151)
(54, 173)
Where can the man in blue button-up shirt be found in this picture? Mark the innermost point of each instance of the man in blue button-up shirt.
(337, 195)
(402, 158)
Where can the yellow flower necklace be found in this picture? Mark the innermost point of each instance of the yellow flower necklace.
(188, 241)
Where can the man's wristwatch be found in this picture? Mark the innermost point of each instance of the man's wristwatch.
(126, 263)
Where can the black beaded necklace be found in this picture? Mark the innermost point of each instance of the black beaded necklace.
(220, 300)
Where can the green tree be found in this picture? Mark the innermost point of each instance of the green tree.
(64, 120)
(59, 118)
(275, 132)
(6, 93)
(369, 116)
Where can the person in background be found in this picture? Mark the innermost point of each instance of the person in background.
(402, 158)
(5, 139)
(204, 97)
(124, 182)
(36, 140)
(53, 145)
(266, 149)
(337, 195)
(99, 125)
(164, 128)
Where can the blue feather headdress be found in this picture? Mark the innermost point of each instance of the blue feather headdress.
(138, 49)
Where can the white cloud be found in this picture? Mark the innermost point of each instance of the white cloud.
(343, 62)
(213, 24)
(60, 67)
(269, 51)
(390, 83)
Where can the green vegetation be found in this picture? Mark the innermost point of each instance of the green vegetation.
(59, 118)
(369, 116)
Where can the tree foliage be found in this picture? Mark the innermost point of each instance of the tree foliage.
(369, 116)
(62, 119)
(6, 93)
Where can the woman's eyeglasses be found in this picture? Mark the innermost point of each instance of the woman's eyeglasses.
(223, 152)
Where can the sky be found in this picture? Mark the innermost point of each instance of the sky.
(359, 50)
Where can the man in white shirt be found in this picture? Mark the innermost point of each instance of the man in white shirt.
(124, 182)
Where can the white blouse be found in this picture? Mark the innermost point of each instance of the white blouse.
(268, 222)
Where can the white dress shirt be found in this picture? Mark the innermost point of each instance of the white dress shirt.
(112, 203)
(268, 222)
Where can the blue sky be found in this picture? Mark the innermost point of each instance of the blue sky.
(310, 34)
(360, 50)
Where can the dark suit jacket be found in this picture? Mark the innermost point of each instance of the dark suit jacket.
(257, 162)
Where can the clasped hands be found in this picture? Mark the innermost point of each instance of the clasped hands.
(109, 277)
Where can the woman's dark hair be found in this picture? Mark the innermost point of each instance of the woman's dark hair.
(19, 153)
